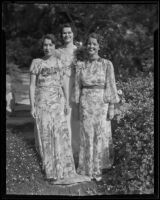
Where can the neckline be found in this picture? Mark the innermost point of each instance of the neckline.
(94, 60)
(73, 47)
(48, 59)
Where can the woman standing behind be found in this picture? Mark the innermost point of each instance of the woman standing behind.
(67, 53)
(47, 97)
(95, 90)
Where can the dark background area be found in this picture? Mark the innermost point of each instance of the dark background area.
(127, 31)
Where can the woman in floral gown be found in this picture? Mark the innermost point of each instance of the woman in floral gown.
(95, 90)
(67, 54)
(48, 99)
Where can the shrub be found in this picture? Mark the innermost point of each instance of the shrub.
(22, 50)
(133, 135)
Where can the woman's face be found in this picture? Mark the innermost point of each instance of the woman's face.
(92, 46)
(48, 47)
(67, 35)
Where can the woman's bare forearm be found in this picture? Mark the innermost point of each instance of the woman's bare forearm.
(32, 90)
(32, 95)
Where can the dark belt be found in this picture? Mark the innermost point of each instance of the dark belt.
(93, 87)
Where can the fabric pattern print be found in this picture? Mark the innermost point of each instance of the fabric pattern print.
(94, 89)
(68, 59)
(52, 132)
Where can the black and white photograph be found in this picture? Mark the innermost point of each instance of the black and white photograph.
(80, 98)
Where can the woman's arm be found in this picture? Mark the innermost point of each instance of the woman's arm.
(33, 75)
(64, 88)
(77, 90)
(32, 93)
(110, 93)
(110, 111)
(77, 84)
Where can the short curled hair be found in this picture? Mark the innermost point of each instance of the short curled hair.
(95, 36)
(50, 37)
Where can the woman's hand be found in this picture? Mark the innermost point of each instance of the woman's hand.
(110, 112)
(66, 109)
(33, 112)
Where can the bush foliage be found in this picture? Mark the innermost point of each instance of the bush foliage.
(127, 30)
(133, 135)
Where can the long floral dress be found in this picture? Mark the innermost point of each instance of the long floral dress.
(52, 131)
(95, 88)
(68, 59)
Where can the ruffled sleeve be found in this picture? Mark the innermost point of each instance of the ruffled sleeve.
(77, 86)
(34, 69)
(110, 93)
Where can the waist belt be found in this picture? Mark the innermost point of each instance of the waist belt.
(48, 87)
(93, 87)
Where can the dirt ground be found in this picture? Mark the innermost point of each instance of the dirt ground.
(20, 122)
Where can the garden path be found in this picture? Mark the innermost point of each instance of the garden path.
(21, 122)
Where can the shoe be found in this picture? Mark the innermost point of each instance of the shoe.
(51, 180)
(98, 178)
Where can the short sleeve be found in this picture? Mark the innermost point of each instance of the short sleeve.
(34, 69)
(110, 94)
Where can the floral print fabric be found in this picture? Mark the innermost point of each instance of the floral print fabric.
(52, 131)
(68, 58)
(94, 88)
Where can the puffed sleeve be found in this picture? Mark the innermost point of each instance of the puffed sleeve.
(110, 93)
(34, 67)
(77, 86)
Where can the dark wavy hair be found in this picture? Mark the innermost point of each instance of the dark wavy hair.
(67, 25)
(50, 37)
